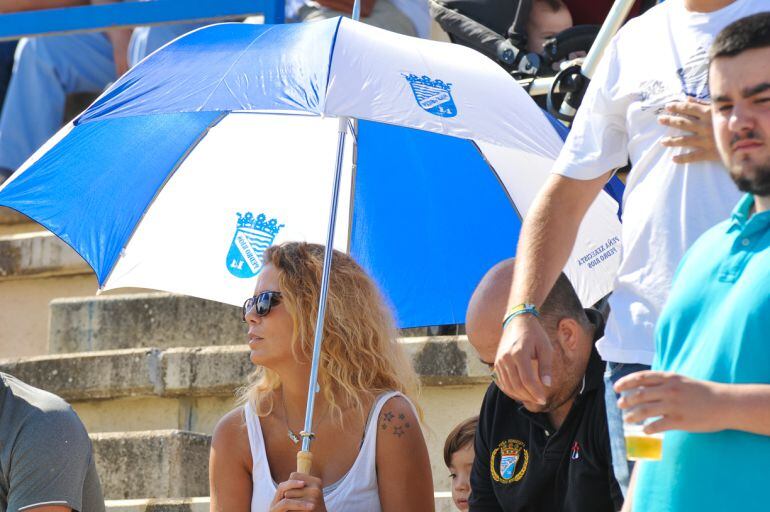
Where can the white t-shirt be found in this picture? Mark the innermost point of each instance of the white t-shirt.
(657, 58)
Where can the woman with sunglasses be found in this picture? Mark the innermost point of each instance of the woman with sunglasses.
(369, 454)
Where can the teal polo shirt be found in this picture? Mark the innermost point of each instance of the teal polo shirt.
(716, 327)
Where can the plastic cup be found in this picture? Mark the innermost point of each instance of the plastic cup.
(641, 446)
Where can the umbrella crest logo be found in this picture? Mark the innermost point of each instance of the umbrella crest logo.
(253, 235)
(433, 96)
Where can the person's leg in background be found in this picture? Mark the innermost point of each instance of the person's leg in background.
(45, 70)
(7, 49)
(621, 466)
(146, 40)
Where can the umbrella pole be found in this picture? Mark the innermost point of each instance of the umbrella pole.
(304, 457)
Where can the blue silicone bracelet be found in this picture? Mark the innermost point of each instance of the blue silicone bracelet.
(525, 309)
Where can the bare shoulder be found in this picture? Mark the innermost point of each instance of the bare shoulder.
(231, 436)
(403, 466)
(397, 420)
(230, 464)
(231, 423)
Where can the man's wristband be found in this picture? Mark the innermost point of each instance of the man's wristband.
(521, 309)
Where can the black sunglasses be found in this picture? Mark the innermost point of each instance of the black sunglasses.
(261, 304)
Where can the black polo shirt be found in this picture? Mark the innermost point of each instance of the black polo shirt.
(523, 464)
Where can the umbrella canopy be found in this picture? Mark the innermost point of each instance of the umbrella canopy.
(224, 142)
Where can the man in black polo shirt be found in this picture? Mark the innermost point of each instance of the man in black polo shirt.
(543, 457)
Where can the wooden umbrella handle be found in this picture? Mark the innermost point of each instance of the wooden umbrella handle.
(304, 462)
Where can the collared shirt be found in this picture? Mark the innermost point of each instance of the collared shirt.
(716, 327)
(523, 464)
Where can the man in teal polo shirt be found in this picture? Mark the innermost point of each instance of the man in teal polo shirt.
(710, 384)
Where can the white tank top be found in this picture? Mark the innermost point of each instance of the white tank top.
(356, 491)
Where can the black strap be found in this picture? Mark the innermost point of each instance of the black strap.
(517, 32)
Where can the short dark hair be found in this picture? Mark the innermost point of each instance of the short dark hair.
(562, 302)
(459, 437)
(555, 5)
(745, 34)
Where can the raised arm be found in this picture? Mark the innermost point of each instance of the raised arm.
(230, 465)
(523, 363)
(403, 467)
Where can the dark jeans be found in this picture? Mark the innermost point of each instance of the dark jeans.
(7, 49)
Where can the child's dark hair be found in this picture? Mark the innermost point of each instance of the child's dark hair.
(460, 436)
(555, 5)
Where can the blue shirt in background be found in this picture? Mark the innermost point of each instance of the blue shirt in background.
(716, 327)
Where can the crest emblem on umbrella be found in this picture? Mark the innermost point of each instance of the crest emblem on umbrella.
(252, 237)
(433, 96)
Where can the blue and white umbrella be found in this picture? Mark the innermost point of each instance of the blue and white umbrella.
(226, 140)
(172, 178)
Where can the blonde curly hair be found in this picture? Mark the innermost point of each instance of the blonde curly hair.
(360, 355)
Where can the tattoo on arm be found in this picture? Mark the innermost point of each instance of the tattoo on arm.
(397, 425)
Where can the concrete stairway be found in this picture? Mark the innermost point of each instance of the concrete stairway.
(35, 268)
(151, 374)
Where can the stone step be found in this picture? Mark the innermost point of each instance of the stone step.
(157, 319)
(201, 371)
(152, 464)
(9, 216)
(207, 371)
(12, 222)
(443, 502)
(24, 311)
(35, 267)
(159, 505)
(161, 320)
(38, 254)
(192, 388)
(158, 467)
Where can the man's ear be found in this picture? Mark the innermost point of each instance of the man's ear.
(568, 334)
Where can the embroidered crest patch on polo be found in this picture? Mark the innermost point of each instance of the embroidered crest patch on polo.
(508, 462)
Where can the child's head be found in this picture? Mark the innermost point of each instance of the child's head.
(546, 19)
(458, 457)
